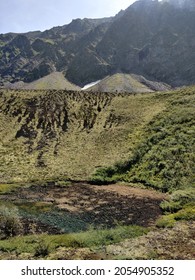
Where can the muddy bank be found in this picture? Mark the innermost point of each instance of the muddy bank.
(76, 207)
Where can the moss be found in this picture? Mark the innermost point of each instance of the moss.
(187, 213)
(166, 221)
(35, 207)
(171, 206)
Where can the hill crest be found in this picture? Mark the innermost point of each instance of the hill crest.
(55, 80)
(128, 83)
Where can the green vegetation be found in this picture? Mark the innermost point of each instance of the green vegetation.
(7, 188)
(163, 157)
(49, 136)
(186, 214)
(10, 224)
(41, 245)
(179, 199)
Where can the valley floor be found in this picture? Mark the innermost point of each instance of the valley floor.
(52, 141)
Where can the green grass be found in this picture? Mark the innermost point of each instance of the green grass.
(185, 214)
(163, 157)
(163, 153)
(98, 132)
(90, 238)
(145, 139)
(7, 188)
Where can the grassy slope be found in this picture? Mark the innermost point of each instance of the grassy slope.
(98, 132)
(166, 155)
(162, 153)
(153, 138)
(163, 157)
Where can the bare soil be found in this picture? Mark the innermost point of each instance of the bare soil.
(84, 205)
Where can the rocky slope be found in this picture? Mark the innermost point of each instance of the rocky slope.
(55, 80)
(128, 83)
(155, 39)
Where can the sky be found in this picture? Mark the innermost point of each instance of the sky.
(30, 15)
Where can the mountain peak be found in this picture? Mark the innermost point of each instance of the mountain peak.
(151, 38)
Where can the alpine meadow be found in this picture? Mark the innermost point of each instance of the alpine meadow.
(97, 137)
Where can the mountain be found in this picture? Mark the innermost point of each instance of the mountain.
(128, 83)
(184, 4)
(30, 56)
(58, 142)
(55, 80)
(154, 39)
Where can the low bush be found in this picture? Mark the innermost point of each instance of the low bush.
(171, 206)
(184, 196)
(103, 176)
(41, 249)
(187, 213)
(10, 224)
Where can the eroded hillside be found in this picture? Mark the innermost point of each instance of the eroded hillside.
(53, 134)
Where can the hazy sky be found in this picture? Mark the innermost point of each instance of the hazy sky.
(30, 15)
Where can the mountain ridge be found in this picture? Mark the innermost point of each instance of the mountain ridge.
(154, 39)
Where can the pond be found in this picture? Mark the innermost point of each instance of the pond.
(76, 207)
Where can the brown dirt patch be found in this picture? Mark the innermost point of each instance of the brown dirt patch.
(103, 206)
(131, 191)
(177, 243)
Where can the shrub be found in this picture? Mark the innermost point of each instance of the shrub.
(103, 237)
(10, 224)
(171, 206)
(42, 249)
(184, 196)
(187, 214)
(103, 176)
